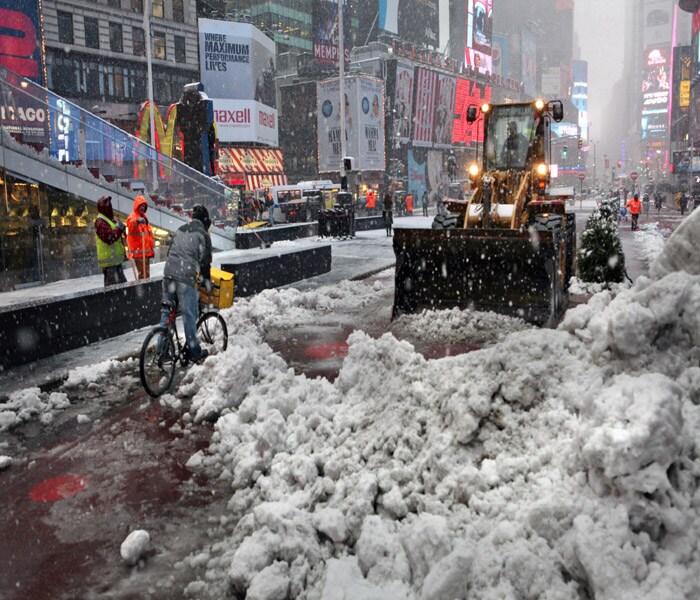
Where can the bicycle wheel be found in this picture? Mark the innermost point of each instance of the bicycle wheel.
(157, 361)
(212, 332)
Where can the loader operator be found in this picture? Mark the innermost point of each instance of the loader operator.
(515, 148)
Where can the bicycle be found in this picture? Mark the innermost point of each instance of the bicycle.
(163, 349)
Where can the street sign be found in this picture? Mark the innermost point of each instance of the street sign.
(581, 176)
(634, 175)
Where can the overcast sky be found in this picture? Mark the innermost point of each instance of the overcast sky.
(599, 25)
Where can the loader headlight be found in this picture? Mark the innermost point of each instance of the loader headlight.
(542, 170)
(473, 171)
(539, 104)
(485, 107)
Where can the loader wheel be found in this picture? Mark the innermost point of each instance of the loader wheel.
(448, 221)
(550, 223)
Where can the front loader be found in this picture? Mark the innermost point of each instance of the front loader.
(509, 246)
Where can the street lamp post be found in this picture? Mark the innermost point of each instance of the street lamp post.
(149, 65)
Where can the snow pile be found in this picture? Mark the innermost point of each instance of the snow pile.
(681, 251)
(651, 241)
(559, 464)
(5, 462)
(578, 287)
(134, 547)
(83, 376)
(456, 325)
(30, 403)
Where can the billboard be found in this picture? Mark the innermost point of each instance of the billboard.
(579, 94)
(245, 121)
(424, 107)
(528, 57)
(658, 22)
(443, 119)
(21, 47)
(680, 98)
(414, 21)
(478, 23)
(326, 32)
(500, 55)
(403, 102)
(364, 123)
(656, 81)
(237, 62)
(551, 81)
(469, 93)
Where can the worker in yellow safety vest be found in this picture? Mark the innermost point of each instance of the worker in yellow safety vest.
(109, 234)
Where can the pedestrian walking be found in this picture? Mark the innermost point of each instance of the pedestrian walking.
(635, 207)
(683, 203)
(109, 240)
(139, 238)
(370, 201)
(439, 205)
(409, 204)
(388, 214)
(424, 201)
(270, 205)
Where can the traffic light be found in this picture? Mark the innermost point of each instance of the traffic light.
(580, 144)
(564, 152)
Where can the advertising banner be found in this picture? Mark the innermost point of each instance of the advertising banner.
(579, 94)
(417, 179)
(414, 21)
(424, 107)
(658, 22)
(245, 121)
(469, 93)
(443, 120)
(529, 62)
(551, 82)
(656, 83)
(478, 18)
(500, 55)
(21, 39)
(237, 62)
(403, 103)
(364, 123)
(326, 32)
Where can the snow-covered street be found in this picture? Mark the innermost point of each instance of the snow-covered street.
(533, 463)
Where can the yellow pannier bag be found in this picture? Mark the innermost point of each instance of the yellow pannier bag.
(222, 294)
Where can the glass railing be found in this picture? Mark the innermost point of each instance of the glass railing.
(50, 128)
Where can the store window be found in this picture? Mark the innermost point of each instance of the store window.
(65, 27)
(180, 52)
(157, 9)
(137, 6)
(114, 3)
(179, 11)
(159, 50)
(139, 40)
(92, 32)
(116, 43)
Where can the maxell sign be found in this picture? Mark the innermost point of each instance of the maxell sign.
(237, 64)
(245, 121)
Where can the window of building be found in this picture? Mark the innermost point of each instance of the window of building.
(159, 46)
(115, 37)
(114, 3)
(139, 39)
(157, 9)
(65, 27)
(180, 52)
(137, 6)
(92, 32)
(179, 11)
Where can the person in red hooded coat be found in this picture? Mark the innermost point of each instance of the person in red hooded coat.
(139, 237)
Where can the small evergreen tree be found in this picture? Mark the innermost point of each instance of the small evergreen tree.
(600, 256)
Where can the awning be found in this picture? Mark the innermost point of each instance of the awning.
(256, 182)
(251, 160)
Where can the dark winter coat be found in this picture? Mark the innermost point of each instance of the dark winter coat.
(189, 254)
(103, 229)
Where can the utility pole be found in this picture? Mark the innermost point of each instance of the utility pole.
(341, 73)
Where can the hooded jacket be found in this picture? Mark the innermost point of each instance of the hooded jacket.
(634, 205)
(108, 233)
(189, 254)
(140, 235)
(103, 229)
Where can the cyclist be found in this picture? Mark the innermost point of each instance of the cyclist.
(189, 257)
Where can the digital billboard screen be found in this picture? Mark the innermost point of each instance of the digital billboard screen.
(444, 111)
(469, 93)
(403, 102)
(656, 82)
(478, 23)
(414, 21)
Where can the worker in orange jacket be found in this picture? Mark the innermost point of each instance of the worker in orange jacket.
(635, 206)
(139, 238)
(370, 201)
(409, 204)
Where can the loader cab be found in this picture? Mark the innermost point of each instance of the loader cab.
(514, 137)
